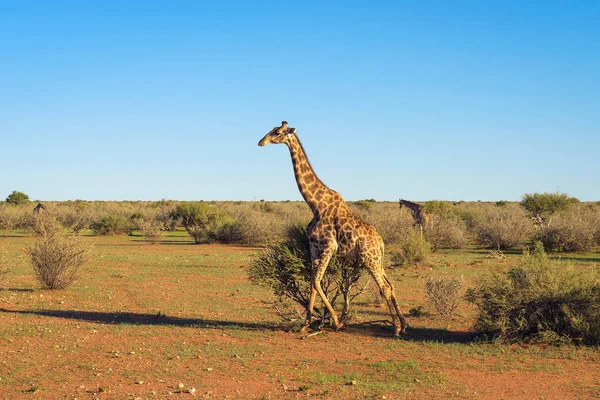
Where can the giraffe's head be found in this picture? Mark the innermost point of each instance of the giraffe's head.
(279, 134)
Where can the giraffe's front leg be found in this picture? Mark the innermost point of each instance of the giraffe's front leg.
(319, 268)
(311, 305)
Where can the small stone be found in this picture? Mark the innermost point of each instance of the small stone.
(140, 382)
(192, 391)
(209, 369)
(417, 380)
(181, 386)
(353, 383)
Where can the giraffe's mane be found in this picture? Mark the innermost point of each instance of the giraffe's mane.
(308, 161)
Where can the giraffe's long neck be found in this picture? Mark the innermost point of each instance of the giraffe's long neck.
(311, 187)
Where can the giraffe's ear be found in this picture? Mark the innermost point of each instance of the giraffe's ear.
(293, 130)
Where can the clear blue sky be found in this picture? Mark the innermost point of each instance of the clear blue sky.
(471, 100)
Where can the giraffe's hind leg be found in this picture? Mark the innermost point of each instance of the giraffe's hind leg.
(387, 292)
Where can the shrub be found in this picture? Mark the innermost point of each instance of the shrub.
(539, 299)
(261, 222)
(392, 224)
(223, 229)
(204, 222)
(112, 225)
(543, 206)
(285, 267)
(443, 293)
(445, 232)
(56, 258)
(502, 227)
(151, 229)
(365, 204)
(75, 216)
(574, 230)
(17, 198)
(413, 250)
(439, 207)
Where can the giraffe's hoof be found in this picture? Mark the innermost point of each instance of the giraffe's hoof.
(399, 331)
(339, 326)
(305, 328)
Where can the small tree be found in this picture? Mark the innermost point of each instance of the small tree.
(17, 198)
(56, 257)
(543, 206)
(285, 267)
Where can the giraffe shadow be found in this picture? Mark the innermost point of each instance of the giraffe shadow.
(414, 334)
(129, 318)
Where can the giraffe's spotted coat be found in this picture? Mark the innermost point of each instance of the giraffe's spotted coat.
(334, 228)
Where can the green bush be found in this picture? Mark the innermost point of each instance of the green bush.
(17, 198)
(285, 267)
(539, 299)
(413, 250)
(223, 229)
(440, 207)
(112, 225)
(543, 206)
(204, 222)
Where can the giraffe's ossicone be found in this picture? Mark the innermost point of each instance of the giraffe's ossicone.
(334, 228)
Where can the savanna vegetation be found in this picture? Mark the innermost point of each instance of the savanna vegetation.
(212, 294)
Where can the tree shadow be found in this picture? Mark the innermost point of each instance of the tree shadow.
(115, 318)
(16, 290)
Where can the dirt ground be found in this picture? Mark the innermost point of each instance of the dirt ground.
(177, 320)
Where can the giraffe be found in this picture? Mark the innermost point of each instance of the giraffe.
(334, 228)
(39, 207)
(418, 212)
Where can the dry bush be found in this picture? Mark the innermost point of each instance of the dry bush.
(573, 230)
(540, 300)
(16, 217)
(112, 225)
(443, 292)
(445, 232)
(414, 249)
(56, 258)
(151, 229)
(391, 222)
(502, 227)
(77, 215)
(263, 222)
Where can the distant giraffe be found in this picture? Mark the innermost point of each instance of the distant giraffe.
(419, 214)
(40, 207)
(334, 228)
